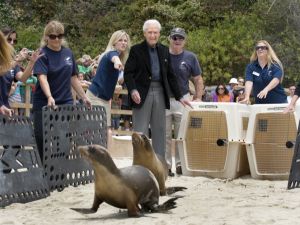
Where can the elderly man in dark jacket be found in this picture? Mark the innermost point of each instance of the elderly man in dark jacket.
(149, 77)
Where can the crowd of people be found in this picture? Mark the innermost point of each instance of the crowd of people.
(160, 80)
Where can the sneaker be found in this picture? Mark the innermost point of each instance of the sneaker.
(170, 173)
(178, 170)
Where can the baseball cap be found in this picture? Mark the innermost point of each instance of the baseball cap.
(233, 81)
(178, 31)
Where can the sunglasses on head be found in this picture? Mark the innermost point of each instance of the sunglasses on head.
(12, 40)
(261, 48)
(53, 36)
(175, 38)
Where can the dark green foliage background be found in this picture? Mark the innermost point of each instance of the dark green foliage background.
(221, 32)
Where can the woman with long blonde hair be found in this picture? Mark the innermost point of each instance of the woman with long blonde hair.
(111, 65)
(6, 55)
(264, 75)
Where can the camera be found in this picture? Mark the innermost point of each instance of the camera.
(29, 52)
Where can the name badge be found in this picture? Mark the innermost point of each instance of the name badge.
(255, 73)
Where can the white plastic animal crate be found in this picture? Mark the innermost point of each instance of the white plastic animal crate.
(269, 140)
(211, 140)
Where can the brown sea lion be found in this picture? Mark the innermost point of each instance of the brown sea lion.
(128, 187)
(144, 155)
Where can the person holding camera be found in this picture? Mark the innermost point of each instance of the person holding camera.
(14, 73)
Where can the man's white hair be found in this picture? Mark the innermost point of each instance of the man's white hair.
(151, 22)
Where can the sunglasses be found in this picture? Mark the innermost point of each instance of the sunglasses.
(220, 88)
(261, 48)
(10, 40)
(175, 38)
(53, 36)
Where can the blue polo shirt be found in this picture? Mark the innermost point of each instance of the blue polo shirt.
(105, 80)
(59, 67)
(185, 65)
(261, 77)
(5, 84)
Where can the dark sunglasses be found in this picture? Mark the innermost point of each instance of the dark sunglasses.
(175, 38)
(15, 41)
(261, 48)
(221, 88)
(53, 36)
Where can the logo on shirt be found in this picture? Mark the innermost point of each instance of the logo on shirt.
(270, 72)
(68, 61)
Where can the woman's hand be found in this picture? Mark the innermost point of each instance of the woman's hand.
(263, 93)
(6, 111)
(118, 66)
(87, 102)
(51, 102)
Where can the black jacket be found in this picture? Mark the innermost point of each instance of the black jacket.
(137, 73)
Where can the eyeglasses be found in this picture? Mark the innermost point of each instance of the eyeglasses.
(292, 89)
(53, 36)
(261, 48)
(10, 40)
(220, 88)
(175, 38)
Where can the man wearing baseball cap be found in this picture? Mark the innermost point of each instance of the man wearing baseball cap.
(185, 66)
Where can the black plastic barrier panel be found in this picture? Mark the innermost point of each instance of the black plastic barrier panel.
(294, 178)
(21, 171)
(64, 129)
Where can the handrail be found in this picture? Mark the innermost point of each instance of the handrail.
(28, 106)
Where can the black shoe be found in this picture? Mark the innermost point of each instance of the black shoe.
(178, 170)
(170, 173)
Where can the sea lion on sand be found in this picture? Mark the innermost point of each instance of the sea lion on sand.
(144, 155)
(128, 187)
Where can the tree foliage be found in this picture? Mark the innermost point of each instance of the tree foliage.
(222, 33)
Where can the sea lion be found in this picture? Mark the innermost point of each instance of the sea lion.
(144, 155)
(128, 187)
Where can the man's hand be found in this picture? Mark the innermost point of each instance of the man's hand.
(245, 101)
(185, 103)
(135, 96)
(195, 99)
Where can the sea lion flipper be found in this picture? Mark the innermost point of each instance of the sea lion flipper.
(167, 205)
(84, 211)
(172, 190)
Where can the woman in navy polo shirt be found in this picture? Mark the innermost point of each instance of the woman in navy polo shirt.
(56, 71)
(264, 75)
(111, 64)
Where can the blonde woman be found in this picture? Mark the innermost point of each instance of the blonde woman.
(111, 65)
(264, 75)
(6, 55)
(56, 71)
(6, 59)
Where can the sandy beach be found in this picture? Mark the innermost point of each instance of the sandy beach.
(206, 201)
